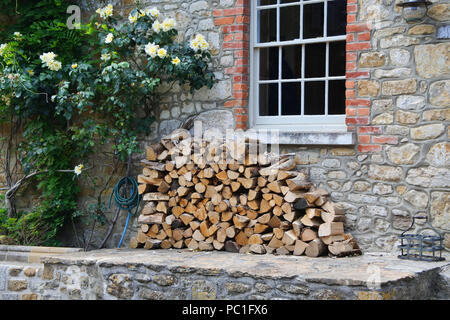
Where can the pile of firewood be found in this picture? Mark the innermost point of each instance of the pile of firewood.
(195, 198)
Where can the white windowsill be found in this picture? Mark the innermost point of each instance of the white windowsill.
(332, 135)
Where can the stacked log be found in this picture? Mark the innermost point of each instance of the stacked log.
(216, 195)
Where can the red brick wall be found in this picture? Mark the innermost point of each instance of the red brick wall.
(358, 108)
(235, 27)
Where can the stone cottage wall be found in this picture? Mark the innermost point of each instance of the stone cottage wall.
(398, 107)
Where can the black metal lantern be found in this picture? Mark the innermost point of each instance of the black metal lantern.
(421, 246)
(414, 10)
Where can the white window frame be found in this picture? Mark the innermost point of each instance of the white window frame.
(302, 123)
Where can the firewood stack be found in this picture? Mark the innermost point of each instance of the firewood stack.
(194, 200)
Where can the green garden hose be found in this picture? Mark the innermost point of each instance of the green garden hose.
(126, 200)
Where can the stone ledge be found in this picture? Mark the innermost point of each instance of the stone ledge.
(317, 138)
(31, 254)
(137, 274)
(350, 271)
(294, 137)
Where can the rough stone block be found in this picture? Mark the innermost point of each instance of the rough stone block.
(429, 177)
(342, 151)
(15, 272)
(384, 118)
(410, 102)
(48, 272)
(406, 117)
(436, 115)
(429, 131)
(203, 290)
(372, 59)
(422, 29)
(120, 286)
(404, 154)
(440, 209)
(294, 289)
(439, 93)
(368, 88)
(399, 57)
(419, 199)
(164, 280)
(30, 296)
(398, 87)
(439, 12)
(392, 73)
(385, 173)
(439, 155)
(432, 60)
(148, 294)
(237, 287)
(397, 41)
(17, 285)
(30, 272)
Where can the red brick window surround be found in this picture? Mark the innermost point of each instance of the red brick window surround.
(358, 108)
(234, 24)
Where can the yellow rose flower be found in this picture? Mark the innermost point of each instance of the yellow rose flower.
(54, 65)
(3, 48)
(109, 38)
(151, 49)
(105, 56)
(162, 53)
(168, 24)
(176, 61)
(132, 18)
(156, 26)
(78, 169)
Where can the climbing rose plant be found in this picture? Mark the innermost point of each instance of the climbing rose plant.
(135, 57)
(106, 94)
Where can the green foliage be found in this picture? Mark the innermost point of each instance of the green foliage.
(74, 90)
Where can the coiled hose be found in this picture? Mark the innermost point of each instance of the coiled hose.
(126, 200)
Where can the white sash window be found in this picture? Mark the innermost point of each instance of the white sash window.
(298, 64)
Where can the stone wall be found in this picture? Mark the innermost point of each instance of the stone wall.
(398, 103)
(112, 274)
(398, 107)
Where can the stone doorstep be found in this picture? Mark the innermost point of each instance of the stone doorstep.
(370, 268)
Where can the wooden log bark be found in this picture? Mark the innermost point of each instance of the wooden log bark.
(331, 229)
(299, 248)
(316, 248)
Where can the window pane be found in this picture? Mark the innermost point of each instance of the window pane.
(291, 94)
(267, 25)
(266, 2)
(268, 99)
(314, 97)
(336, 17)
(337, 58)
(289, 1)
(292, 62)
(313, 20)
(268, 63)
(289, 23)
(315, 60)
(336, 97)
